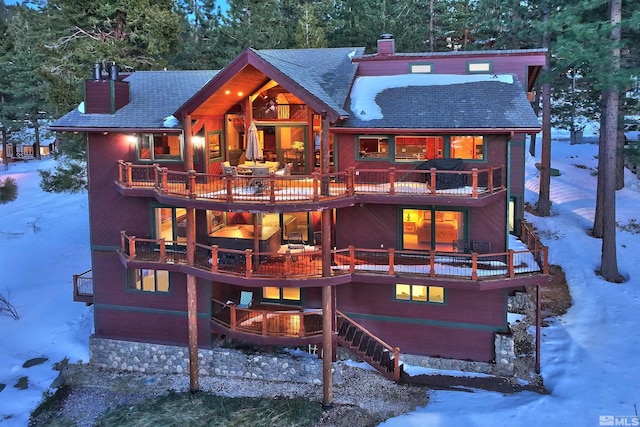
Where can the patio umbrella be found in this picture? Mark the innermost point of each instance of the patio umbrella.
(254, 152)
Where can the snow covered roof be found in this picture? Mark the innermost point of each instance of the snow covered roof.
(154, 96)
(440, 101)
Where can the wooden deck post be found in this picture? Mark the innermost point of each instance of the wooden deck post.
(233, 319)
(432, 263)
(350, 182)
(163, 250)
(474, 266)
(392, 181)
(490, 180)
(132, 248)
(192, 303)
(352, 259)
(229, 179)
(510, 266)
(432, 180)
(214, 258)
(396, 364)
(249, 261)
(129, 174)
(391, 261)
(474, 183)
(316, 186)
(192, 184)
(327, 348)
(164, 186)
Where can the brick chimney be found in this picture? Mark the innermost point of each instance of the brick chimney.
(105, 93)
(386, 45)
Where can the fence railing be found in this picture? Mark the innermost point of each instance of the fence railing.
(275, 188)
(274, 323)
(308, 264)
(83, 287)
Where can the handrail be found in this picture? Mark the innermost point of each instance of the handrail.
(394, 350)
(290, 323)
(83, 287)
(309, 188)
(351, 260)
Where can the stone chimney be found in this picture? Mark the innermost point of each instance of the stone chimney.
(105, 93)
(386, 45)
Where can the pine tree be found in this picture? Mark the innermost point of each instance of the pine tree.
(309, 34)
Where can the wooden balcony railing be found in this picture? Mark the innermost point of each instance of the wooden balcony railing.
(474, 183)
(351, 260)
(264, 322)
(83, 287)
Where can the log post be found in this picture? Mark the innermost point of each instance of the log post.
(192, 303)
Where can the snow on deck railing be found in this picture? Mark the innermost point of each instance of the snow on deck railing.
(287, 263)
(314, 187)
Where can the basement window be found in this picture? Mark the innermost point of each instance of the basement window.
(150, 280)
(420, 293)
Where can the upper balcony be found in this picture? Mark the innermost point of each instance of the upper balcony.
(475, 187)
(304, 268)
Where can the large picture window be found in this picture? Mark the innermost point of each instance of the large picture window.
(419, 148)
(466, 147)
(150, 280)
(420, 293)
(160, 147)
(427, 229)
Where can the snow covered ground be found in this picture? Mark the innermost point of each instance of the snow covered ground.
(590, 360)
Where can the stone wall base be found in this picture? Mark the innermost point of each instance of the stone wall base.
(155, 358)
(298, 366)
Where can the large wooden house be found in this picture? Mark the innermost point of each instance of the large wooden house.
(377, 212)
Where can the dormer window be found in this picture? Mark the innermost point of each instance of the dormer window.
(479, 67)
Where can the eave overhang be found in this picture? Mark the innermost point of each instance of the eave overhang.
(434, 131)
(114, 130)
(246, 74)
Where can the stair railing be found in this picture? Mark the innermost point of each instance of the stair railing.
(394, 350)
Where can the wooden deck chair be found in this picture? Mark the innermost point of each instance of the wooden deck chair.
(246, 298)
(230, 170)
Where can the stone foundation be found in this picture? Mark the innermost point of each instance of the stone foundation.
(281, 366)
(155, 358)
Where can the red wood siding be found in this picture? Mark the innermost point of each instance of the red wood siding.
(367, 226)
(503, 64)
(463, 327)
(109, 211)
(517, 164)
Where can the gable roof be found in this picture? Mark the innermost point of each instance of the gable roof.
(441, 102)
(154, 95)
(327, 74)
(321, 78)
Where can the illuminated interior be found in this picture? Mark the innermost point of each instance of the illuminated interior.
(466, 147)
(412, 148)
(419, 227)
(152, 280)
(420, 293)
(279, 294)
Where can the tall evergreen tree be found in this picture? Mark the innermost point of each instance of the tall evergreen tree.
(253, 23)
(309, 33)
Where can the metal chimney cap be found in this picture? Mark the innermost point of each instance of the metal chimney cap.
(386, 36)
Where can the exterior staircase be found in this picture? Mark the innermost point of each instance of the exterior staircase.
(366, 346)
